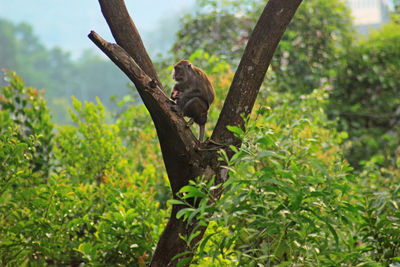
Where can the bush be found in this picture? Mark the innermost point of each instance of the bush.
(92, 149)
(292, 200)
(88, 206)
(24, 109)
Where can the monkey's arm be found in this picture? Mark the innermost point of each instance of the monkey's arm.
(174, 94)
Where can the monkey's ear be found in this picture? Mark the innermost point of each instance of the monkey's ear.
(190, 65)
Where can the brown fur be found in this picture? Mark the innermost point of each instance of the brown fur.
(193, 93)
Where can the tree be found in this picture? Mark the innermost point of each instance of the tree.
(184, 157)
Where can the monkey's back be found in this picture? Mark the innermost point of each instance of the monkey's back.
(193, 91)
(205, 87)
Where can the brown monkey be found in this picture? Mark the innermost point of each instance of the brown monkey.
(193, 93)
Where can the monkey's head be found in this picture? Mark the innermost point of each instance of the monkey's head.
(182, 71)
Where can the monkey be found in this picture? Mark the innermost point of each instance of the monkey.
(193, 93)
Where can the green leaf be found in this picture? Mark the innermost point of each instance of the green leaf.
(236, 130)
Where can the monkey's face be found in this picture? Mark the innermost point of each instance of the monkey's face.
(182, 71)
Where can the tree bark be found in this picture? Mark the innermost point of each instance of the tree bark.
(185, 158)
(126, 35)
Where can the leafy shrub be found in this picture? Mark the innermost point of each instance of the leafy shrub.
(92, 208)
(143, 151)
(25, 110)
(292, 200)
(378, 200)
(14, 157)
(93, 148)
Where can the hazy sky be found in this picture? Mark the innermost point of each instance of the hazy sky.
(66, 23)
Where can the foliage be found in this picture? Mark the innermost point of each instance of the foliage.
(318, 48)
(15, 155)
(291, 200)
(93, 207)
(24, 111)
(310, 50)
(378, 203)
(366, 96)
(396, 4)
(93, 148)
(206, 32)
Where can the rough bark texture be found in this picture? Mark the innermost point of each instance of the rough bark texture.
(184, 157)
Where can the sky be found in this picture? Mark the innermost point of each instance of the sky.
(66, 23)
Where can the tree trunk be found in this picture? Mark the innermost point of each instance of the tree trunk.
(185, 158)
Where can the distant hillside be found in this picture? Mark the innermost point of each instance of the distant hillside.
(67, 23)
(47, 45)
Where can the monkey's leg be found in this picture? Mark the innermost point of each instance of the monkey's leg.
(201, 132)
(197, 109)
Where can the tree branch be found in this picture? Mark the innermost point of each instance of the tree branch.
(127, 36)
(125, 62)
(253, 66)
